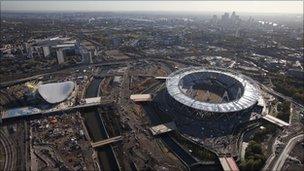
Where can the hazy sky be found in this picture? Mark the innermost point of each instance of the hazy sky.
(295, 7)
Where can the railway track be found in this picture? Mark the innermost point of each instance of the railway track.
(10, 153)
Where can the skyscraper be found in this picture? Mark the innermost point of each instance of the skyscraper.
(225, 17)
(233, 16)
(214, 19)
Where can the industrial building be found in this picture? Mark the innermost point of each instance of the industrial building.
(59, 47)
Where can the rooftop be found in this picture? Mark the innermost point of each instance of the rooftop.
(56, 92)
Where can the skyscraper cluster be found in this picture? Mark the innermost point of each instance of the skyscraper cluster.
(226, 19)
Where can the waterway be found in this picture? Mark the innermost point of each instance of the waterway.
(97, 130)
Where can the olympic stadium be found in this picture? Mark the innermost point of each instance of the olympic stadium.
(212, 91)
(207, 103)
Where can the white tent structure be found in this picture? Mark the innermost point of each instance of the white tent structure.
(56, 92)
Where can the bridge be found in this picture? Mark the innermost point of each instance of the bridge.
(106, 141)
(141, 97)
(29, 111)
(163, 128)
(275, 120)
(160, 78)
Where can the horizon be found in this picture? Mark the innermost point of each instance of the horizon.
(194, 7)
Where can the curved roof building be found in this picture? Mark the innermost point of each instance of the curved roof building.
(215, 91)
(56, 92)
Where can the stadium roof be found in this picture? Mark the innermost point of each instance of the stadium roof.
(249, 97)
(56, 92)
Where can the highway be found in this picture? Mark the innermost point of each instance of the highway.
(285, 153)
(58, 70)
(29, 77)
(4, 84)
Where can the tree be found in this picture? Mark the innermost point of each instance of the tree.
(284, 111)
(254, 157)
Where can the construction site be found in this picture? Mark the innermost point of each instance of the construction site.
(136, 115)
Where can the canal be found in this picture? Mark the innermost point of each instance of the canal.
(97, 130)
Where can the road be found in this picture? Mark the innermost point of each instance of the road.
(269, 90)
(272, 156)
(285, 153)
(4, 84)
(246, 129)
